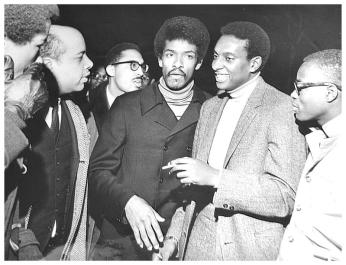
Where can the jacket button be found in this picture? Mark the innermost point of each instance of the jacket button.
(165, 147)
(161, 180)
(188, 148)
(308, 178)
(290, 239)
(225, 206)
(231, 208)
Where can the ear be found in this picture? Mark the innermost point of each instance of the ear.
(332, 93)
(198, 65)
(255, 63)
(48, 62)
(110, 70)
(160, 61)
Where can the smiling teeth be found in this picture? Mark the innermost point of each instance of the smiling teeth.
(221, 78)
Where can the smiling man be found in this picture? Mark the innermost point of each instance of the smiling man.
(125, 68)
(143, 131)
(53, 192)
(247, 159)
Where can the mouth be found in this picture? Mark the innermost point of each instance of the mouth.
(138, 81)
(295, 108)
(221, 77)
(176, 73)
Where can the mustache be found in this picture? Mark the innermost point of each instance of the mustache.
(176, 71)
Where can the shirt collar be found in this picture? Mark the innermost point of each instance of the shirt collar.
(245, 89)
(110, 97)
(333, 127)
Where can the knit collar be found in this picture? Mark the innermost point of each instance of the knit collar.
(176, 97)
(245, 89)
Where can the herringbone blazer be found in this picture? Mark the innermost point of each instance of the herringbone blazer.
(261, 172)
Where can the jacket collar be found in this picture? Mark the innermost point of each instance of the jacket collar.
(151, 97)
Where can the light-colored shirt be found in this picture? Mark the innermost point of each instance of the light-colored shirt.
(110, 97)
(315, 231)
(228, 122)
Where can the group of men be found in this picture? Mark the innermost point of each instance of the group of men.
(179, 175)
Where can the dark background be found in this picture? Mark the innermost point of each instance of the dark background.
(295, 31)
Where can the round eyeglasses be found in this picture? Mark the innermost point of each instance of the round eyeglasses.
(134, 65)
(300, 86)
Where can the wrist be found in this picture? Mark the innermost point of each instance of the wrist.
(171, 239)
(218, 178)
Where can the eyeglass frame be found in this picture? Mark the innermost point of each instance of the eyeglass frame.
(298, 89)
(144, 66)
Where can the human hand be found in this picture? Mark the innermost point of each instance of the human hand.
(165, 252)
(144, 222)
(194, 171)
(27, 93)
(8, 69)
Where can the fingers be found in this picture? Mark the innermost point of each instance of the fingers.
(137, 236)
(143, 230)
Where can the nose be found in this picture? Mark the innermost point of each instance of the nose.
(89, 64)
(294, 94)
(216, 64)
(178, 61)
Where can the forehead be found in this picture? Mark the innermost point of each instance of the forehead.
(180, 46)
(231, 44)
(74, 44)
(131, 54)
(310, 72)
(39, 39)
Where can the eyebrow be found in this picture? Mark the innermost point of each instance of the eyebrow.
(170, 50)
(81, 53)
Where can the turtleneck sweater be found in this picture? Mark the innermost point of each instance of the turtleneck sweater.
(177, 100)
(228, 122)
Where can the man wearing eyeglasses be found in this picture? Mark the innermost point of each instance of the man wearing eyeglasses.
(125, 67)
(142, 132)
(315, 230)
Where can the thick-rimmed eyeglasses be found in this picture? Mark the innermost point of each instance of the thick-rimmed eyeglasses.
(300, 86)
(134, 65)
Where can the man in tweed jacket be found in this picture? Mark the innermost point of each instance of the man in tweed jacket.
(248, 155)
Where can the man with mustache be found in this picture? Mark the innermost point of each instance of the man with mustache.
(247, 159)
(143, 131)
(53, 192)
(315, 229)
(125, 67)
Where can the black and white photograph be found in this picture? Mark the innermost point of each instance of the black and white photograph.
(178, 131)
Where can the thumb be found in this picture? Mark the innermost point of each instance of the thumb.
(158, 217)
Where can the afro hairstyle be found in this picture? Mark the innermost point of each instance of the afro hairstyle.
(23, 22)
(258, 42)
(183, 28)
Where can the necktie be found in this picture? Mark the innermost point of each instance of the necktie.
(55, 120)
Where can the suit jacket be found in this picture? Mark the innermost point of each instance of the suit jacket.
(30, 185)
(139, 136)
(99, 103)
(259, 180)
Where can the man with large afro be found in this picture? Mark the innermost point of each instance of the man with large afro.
(143, 131)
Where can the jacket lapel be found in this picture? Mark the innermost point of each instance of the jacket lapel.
(208, 127)
(247, 116)
(191, 114)
(155, 108)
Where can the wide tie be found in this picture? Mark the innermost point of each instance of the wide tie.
(55, 120)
